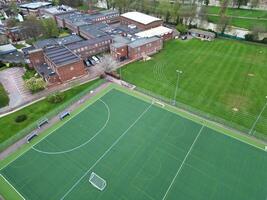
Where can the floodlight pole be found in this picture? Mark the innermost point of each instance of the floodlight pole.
(255, 123)
(177, 84)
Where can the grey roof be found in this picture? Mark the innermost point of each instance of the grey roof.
(120, 41)
(60, 55)
(57, 41)
(26, 50)
(142, 41)
(95, 30)
(45, 70)
(199, 31)
(89, 43)
(55, 10)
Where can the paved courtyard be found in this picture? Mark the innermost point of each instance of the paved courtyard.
(12, 81)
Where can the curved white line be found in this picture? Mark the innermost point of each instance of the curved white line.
(77, 147)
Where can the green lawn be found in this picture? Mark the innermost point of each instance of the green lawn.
(154, 154)
(34, 112)
(217, 77)
(256, 16)
(3, 96)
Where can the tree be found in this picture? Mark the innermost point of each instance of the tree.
(50, 28)
(175, 12)
(108, 63)
(181, 28)
(35, 84)
(11, 22)
(33, 27)
(206, 2)
(239, 3)
(14, 8)
(224, 19)
(254, 3)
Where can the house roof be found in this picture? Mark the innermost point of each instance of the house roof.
(158, 31)
(61, 55)
(142, 41)
(202, 32)
(140, 17)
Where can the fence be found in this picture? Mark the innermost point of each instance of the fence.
(49, 116)
(238, 120)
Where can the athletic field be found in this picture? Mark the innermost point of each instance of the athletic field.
(142, 151)
(222, 78)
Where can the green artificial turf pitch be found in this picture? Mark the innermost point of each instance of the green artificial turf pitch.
(143, 152)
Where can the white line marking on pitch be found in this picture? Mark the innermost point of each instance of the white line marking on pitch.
(81, 145)
(12, 186)
(106, 152)
(165, 195)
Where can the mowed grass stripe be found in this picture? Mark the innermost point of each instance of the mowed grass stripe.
(215, 80)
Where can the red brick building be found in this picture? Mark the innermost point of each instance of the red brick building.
(136, 49)
(57, 64)
(140, 20)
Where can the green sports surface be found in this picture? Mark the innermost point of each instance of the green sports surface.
(142, 151)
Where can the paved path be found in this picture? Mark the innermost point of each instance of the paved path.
(13, 83)
(241, 17)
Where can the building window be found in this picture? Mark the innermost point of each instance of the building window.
(71, 68)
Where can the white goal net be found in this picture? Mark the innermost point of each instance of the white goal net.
(97, 181)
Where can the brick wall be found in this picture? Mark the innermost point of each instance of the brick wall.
(126, 21)
(71, 71)
(147, 49)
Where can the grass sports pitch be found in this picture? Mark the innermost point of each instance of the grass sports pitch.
(142, 151)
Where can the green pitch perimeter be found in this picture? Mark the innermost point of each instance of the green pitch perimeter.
(143, 152)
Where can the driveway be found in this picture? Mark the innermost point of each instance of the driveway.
(13, 83)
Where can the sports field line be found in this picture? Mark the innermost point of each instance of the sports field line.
(106, 152)
(12, 186)
(81, 145)
(179, 169)
(59, 124)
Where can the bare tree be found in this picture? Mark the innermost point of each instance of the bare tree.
(224, 19)
(108, 63)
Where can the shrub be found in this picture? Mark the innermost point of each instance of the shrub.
(35, 84)
(55, 98)
(20, 118)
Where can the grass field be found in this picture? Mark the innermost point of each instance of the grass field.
(4, 100)
(218, 78)
(34, 112)
(143, 152)
(243, 18)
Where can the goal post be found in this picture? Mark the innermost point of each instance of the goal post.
(97, 181)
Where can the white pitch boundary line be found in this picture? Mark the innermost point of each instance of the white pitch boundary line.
(170, 186)
(81, 145)
(106, 152)
(66, 121)
(12, 186)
